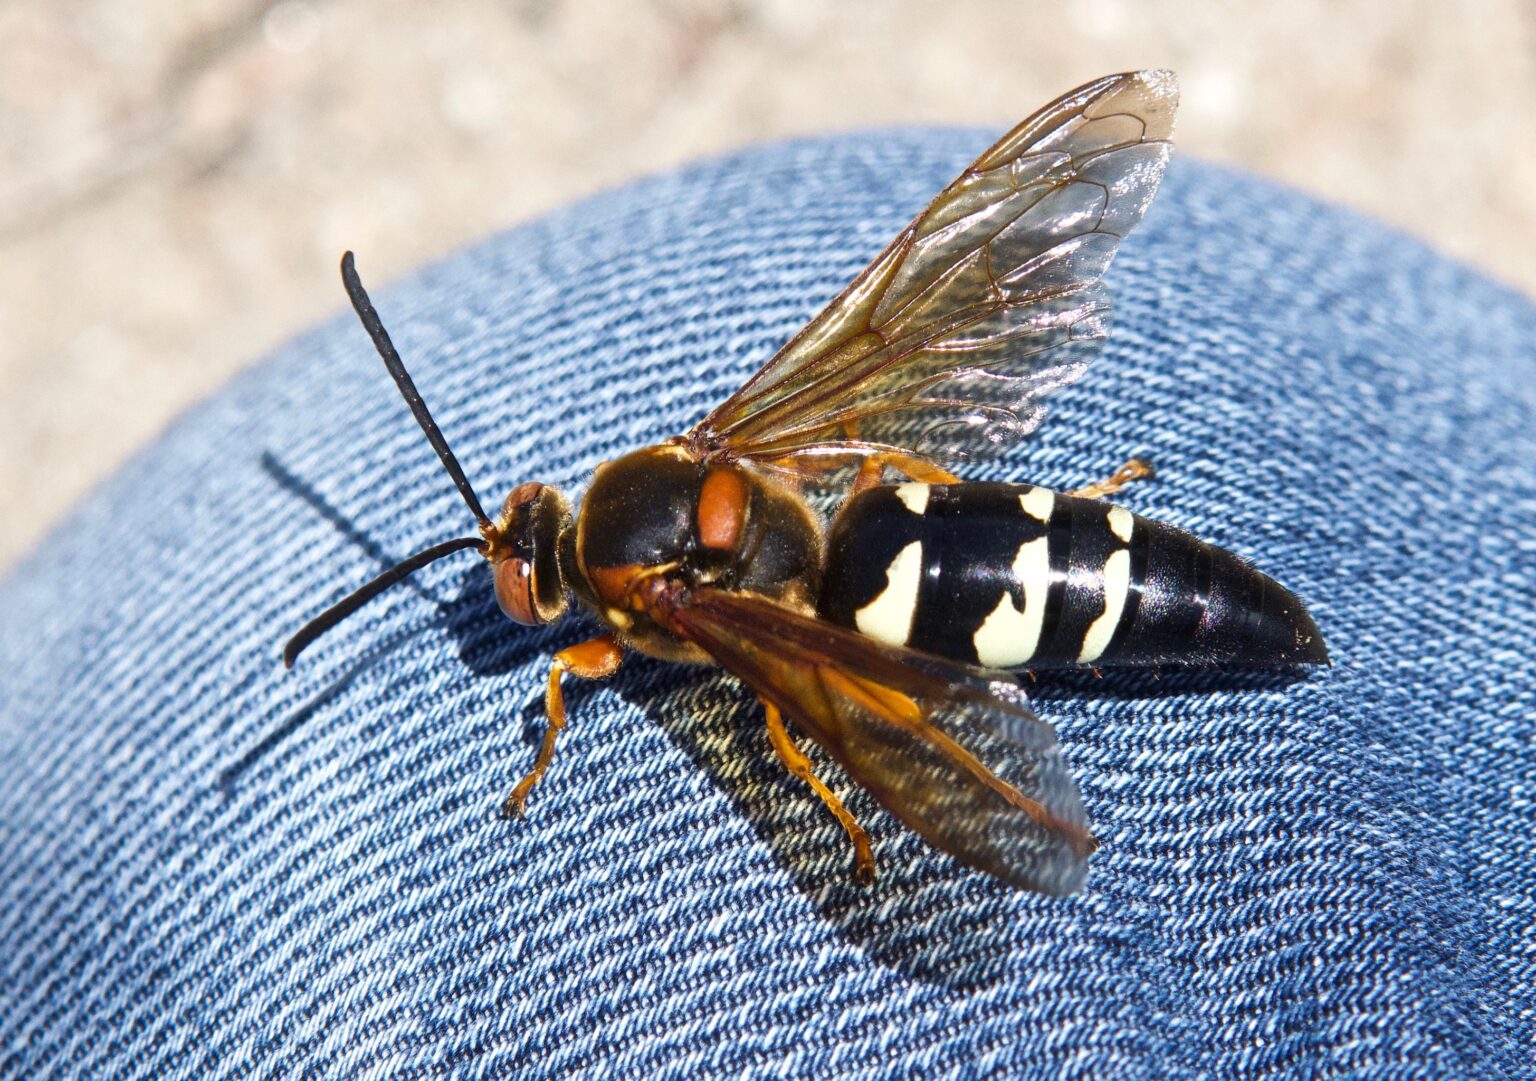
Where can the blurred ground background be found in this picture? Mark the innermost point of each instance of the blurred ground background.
(178, 177)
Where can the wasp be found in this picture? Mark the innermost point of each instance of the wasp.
(808, 537)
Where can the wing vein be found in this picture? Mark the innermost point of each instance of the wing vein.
(993, 290)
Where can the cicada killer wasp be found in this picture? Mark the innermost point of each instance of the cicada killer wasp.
(887, 626)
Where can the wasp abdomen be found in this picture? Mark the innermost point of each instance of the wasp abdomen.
(1015, 576)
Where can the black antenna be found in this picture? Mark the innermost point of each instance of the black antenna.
(375, 328)
(349, 604)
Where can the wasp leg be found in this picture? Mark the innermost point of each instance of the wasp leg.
(1135, 469)
(872, 470)
(795, 761)
(595, 659)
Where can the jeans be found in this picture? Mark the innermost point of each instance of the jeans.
(213, 867)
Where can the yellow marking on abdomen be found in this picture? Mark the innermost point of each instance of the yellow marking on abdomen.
(914, 495)
(1008, 636)
(1038, 503)
(1117, 585)
(888, 618)
(1120, 523)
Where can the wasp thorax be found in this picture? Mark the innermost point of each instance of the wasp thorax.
(524, 550)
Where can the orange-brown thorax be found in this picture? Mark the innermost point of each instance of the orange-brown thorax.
(657, 520)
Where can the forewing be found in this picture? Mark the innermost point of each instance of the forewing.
(954, 754)
(945, 345)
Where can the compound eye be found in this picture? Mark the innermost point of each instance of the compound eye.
(515, 592)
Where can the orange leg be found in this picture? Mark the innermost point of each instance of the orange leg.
(1135, 469)
(798, 764)
(596, 659)
(872, 470)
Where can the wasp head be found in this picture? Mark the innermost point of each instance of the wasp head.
(523, 545)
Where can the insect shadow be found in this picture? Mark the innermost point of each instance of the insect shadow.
(470, 615)
(1135, 684)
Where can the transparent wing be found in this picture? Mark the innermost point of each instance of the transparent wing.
(945, 345)
(954, 754)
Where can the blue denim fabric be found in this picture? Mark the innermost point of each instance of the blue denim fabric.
(211, 867)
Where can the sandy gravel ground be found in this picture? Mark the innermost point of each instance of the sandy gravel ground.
(177, 177)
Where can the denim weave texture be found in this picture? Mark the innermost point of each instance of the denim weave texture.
(210, 867)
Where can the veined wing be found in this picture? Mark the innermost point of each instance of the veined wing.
(950, 751)
(990, 299)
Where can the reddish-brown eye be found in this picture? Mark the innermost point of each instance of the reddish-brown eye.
(514, 591)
